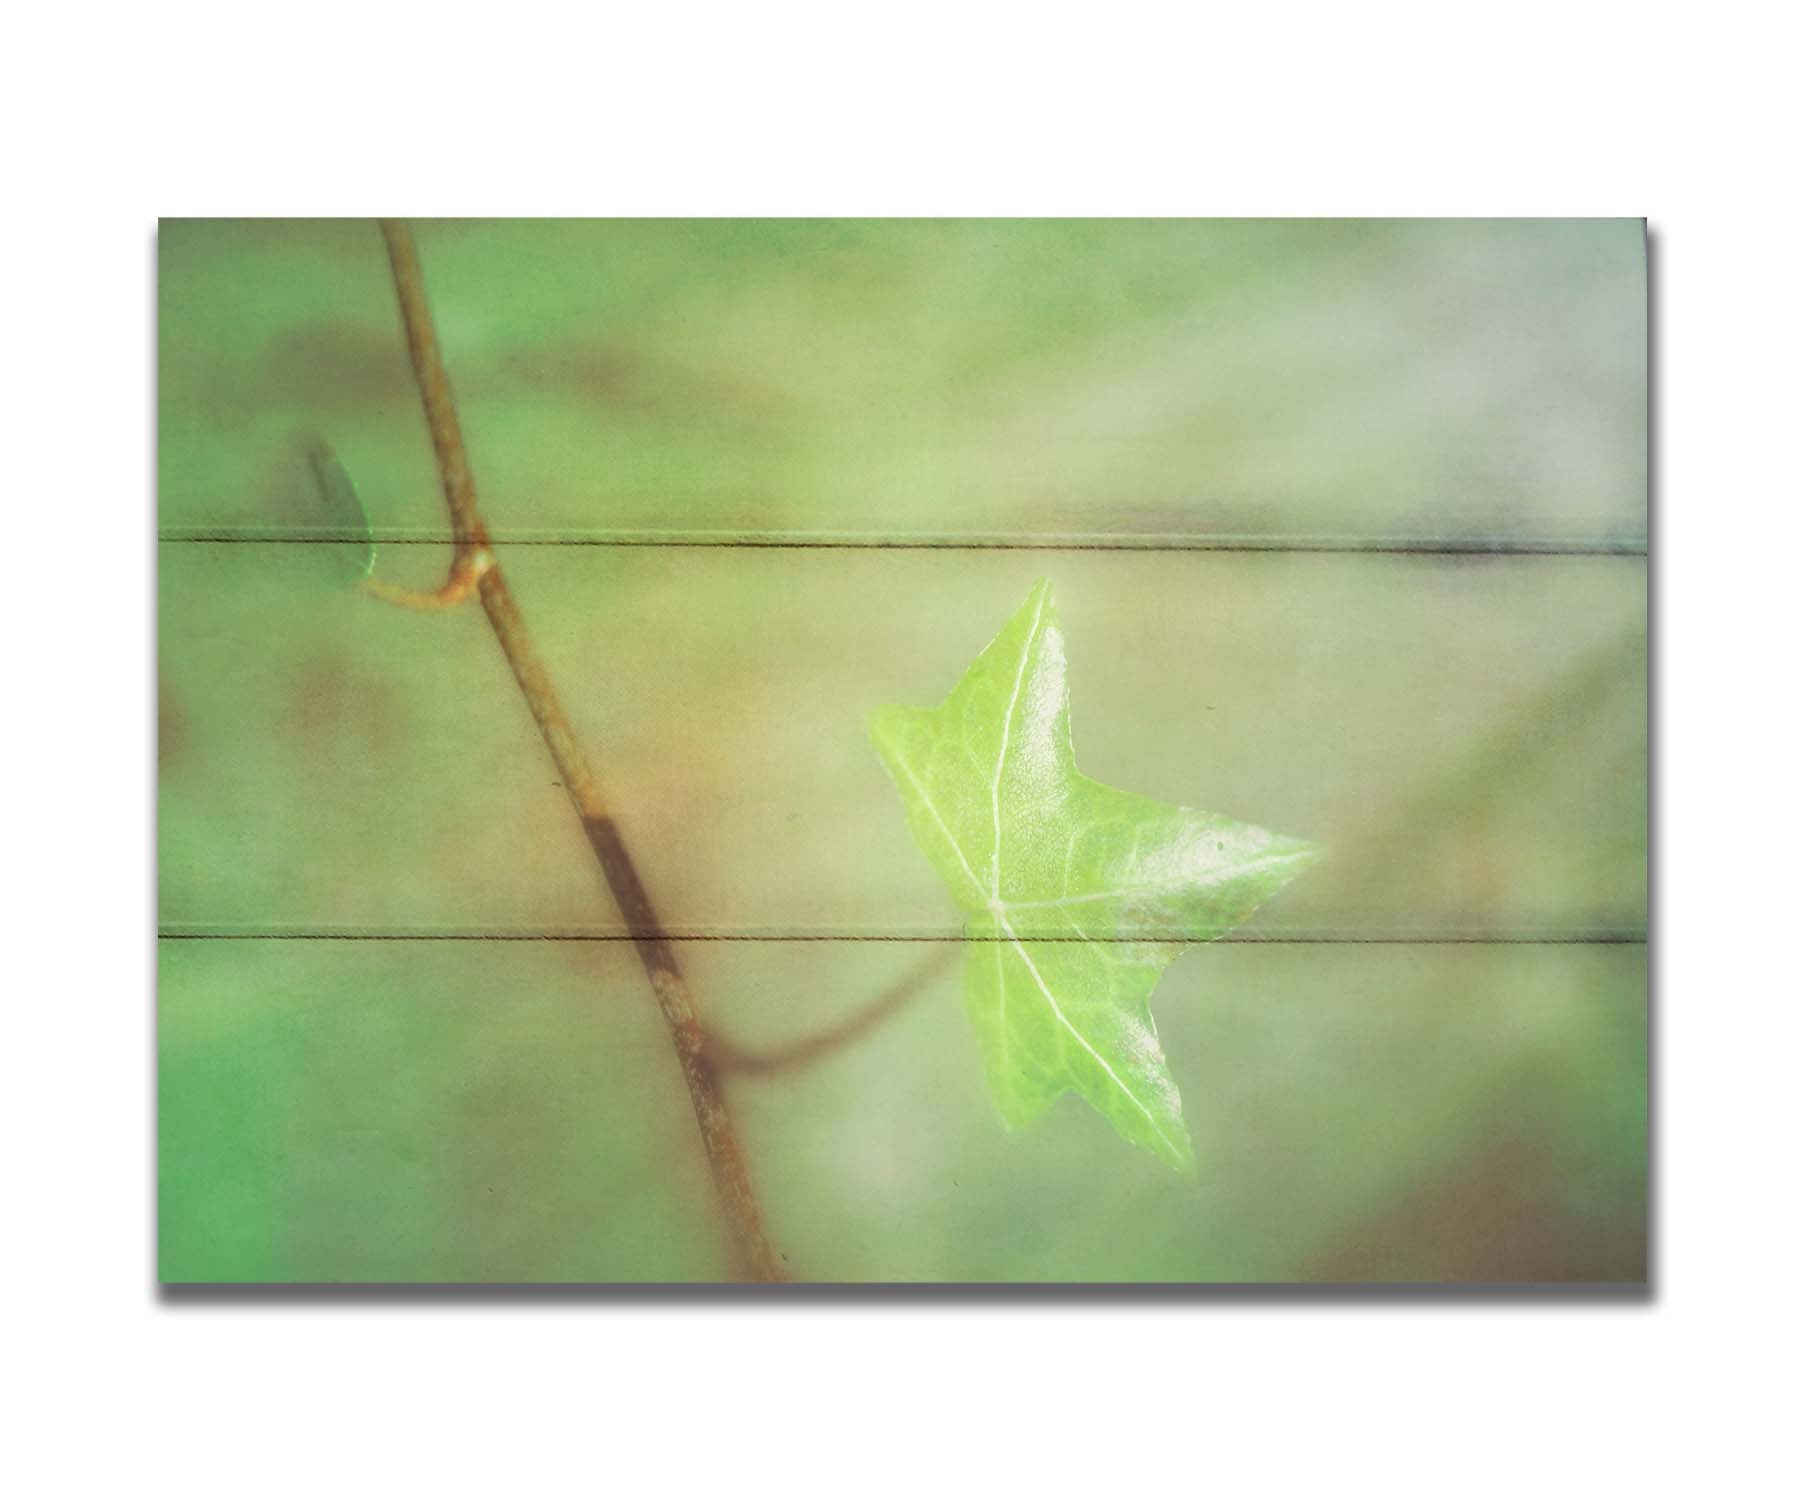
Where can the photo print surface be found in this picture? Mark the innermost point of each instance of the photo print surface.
(950, 752)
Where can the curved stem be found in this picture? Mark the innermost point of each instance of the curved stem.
(465, 573)
(734, 1059)
(724, 1154)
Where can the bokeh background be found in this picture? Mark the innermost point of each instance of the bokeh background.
(1382, 493)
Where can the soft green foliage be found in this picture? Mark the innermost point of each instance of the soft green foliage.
(1077, 895)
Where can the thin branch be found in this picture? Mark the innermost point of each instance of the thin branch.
(723, 1153)
(734, 1059)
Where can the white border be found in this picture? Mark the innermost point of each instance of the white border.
(1531, 108)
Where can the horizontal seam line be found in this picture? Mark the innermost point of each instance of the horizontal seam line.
(1303, 545)
(1314, 939)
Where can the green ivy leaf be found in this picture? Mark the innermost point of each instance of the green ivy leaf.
(1076, 895)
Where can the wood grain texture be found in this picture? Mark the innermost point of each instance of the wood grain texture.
(1466, 738)
(1347, 524)
(1425, 379)
(449, 1112)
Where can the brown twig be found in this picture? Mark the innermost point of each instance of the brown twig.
(475, 560)
(465, 574)
(734, 1059)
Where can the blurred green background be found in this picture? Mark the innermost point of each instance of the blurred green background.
(343, 1096)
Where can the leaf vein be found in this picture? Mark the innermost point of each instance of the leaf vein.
(900, 760)
(1088, 1046)
(1173, 882)
(1012, 707)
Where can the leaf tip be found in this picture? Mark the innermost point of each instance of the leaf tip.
(1303, 854)
(1174, 1149)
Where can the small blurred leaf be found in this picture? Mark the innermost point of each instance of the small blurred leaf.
(1076, 895)
(317, 500)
